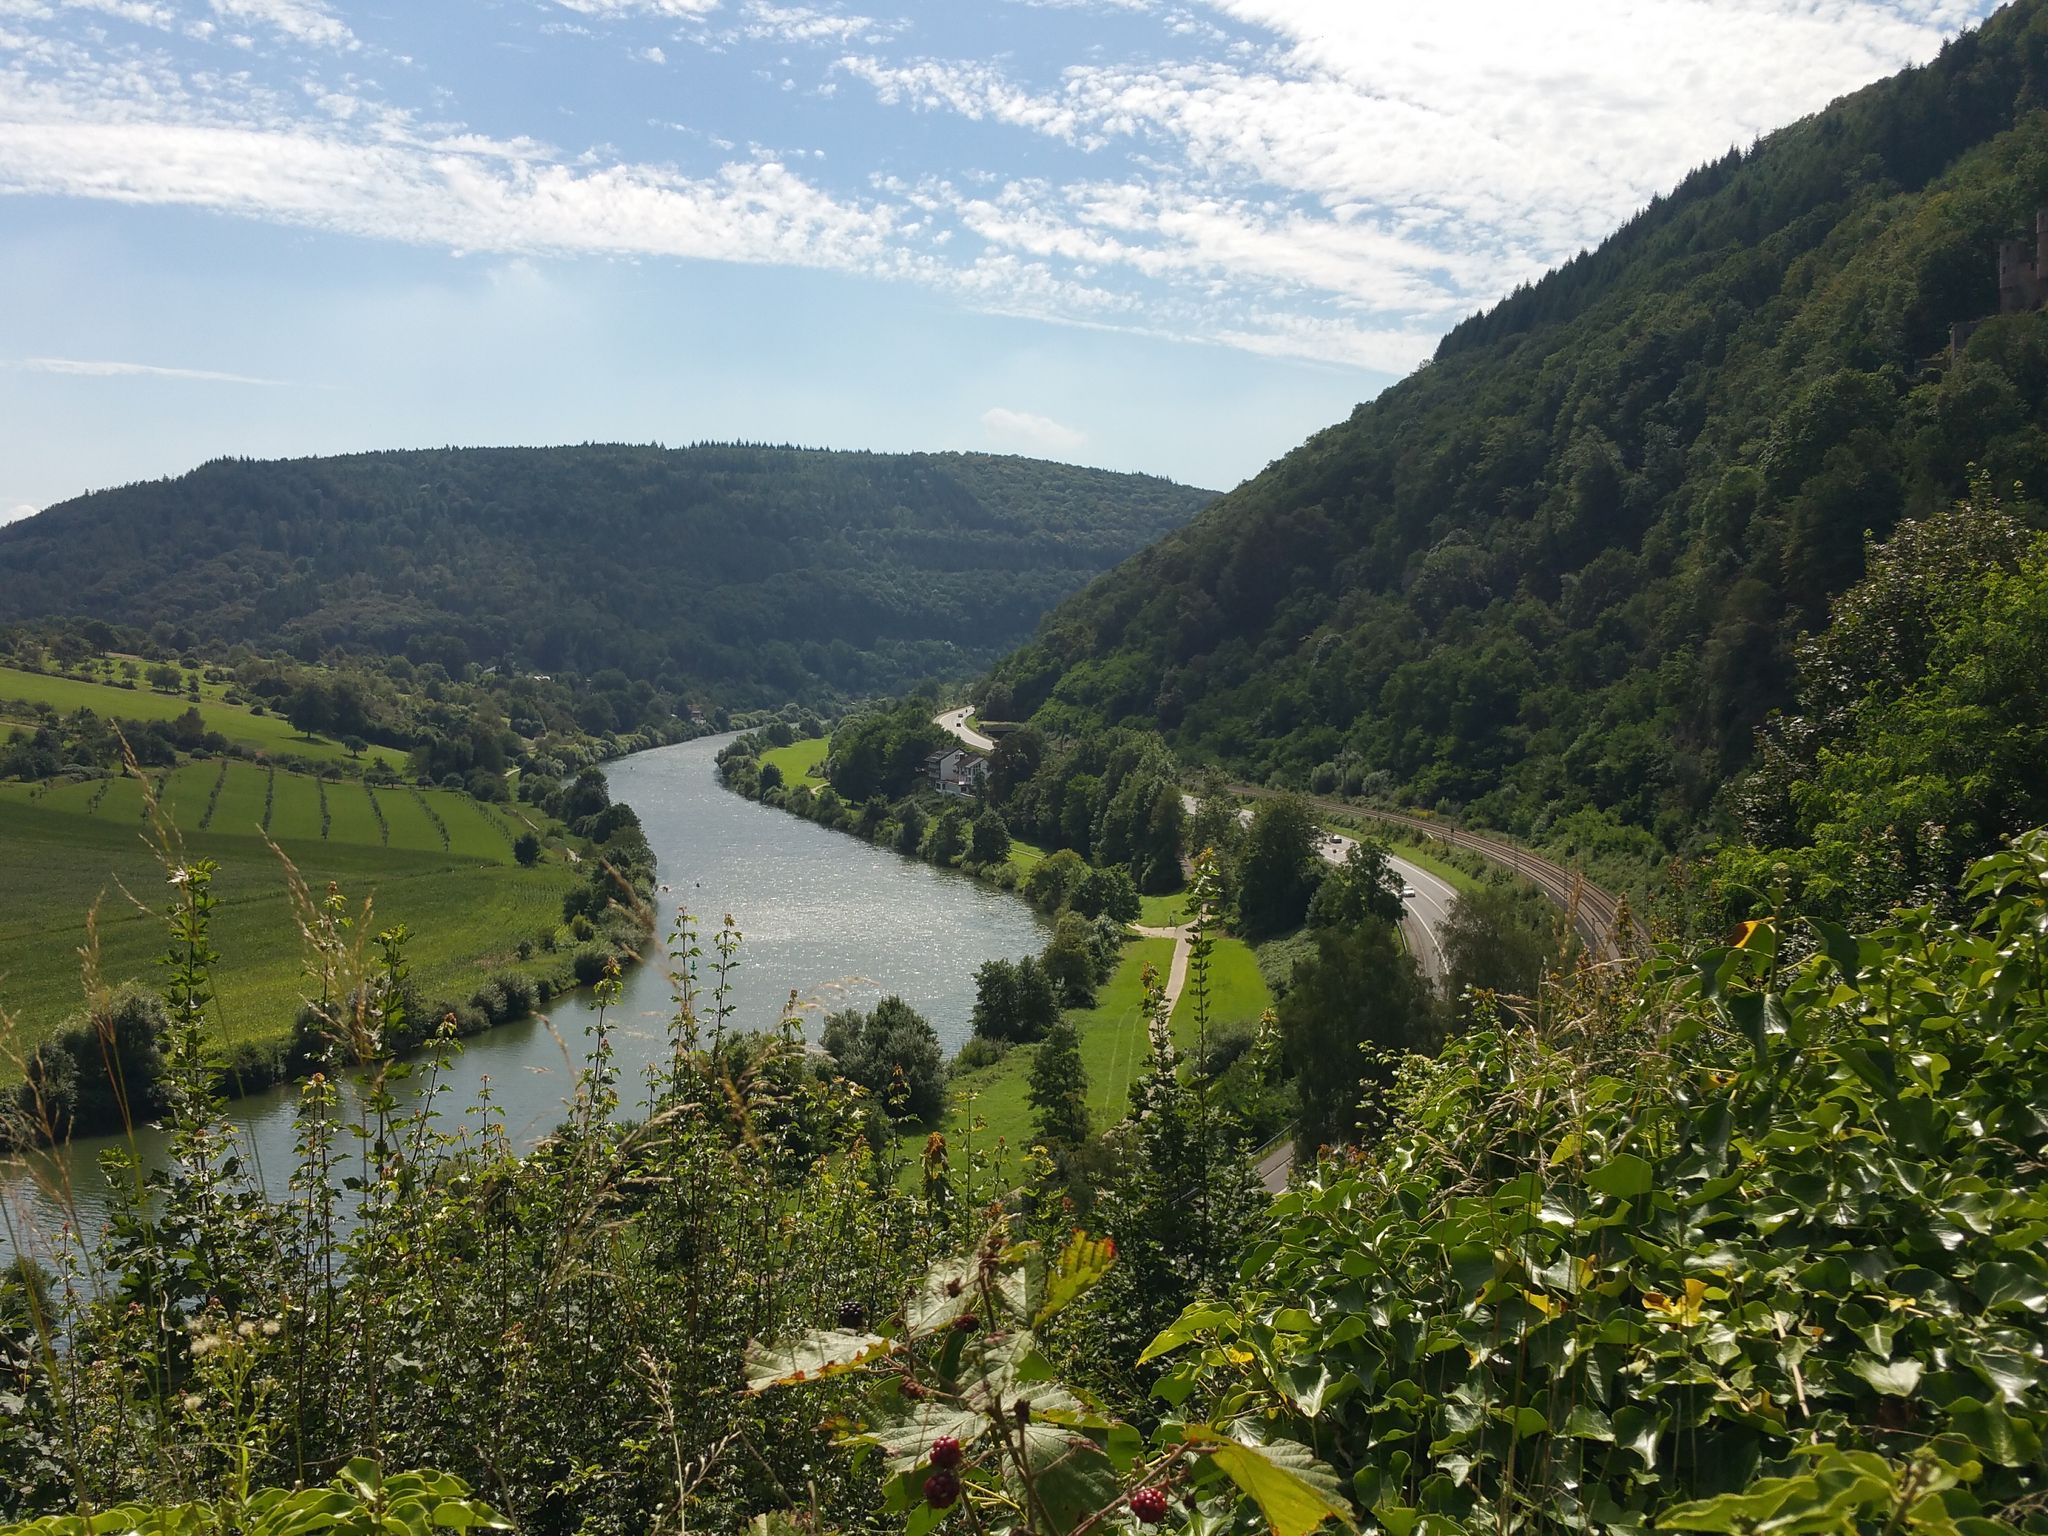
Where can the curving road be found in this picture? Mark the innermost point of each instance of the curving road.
(954, 723)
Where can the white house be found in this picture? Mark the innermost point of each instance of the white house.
(956, 772)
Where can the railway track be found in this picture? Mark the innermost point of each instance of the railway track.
(1594, 912)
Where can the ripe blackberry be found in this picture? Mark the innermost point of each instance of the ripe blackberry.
(1149, 1505)
(852, 1316)
(941, 1489)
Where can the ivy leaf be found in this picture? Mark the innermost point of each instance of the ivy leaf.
(1993, 1433)
(1898, 1378)
(828, 1352)
(1083, 1262)
(1294, 1492)
(1624, 1176)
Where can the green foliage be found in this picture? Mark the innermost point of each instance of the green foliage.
(1278, 867)
(883, 752)
(1921, 739)
(1562, 570)
(361, 1501)
(1497, 938)
(991, 839)
(1350, 1011)
(893, 1053)
(760, 572)
(1364, 888)
(1752, 1244)
(1059, 1088)
(1014, 1000)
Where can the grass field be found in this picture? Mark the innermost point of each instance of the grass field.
(1113, 1047)
(801, 762)
(466, 909)
(265, 733)
(1163, 911)
(1238, 994)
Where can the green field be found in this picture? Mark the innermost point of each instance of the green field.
(1163, 911)
(263, 733)
(466, 910)
(1113, 1047)
(1238, 994)
(802, 762)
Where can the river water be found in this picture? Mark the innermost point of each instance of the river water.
(823, 914)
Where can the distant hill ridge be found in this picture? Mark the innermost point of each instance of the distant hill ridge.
(1555, 578)
(763, 573)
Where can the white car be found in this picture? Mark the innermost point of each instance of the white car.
(1408, 893)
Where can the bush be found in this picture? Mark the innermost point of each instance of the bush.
(490, 1000)
(980, 1051)
(589, 964)
(522, 996)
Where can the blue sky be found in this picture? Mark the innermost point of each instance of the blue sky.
(1169, 235)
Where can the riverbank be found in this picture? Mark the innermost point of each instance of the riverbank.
(836, 921)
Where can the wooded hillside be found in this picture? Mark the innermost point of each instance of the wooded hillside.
(1556, 578)
(762, 573)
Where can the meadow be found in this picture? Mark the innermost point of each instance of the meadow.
(263, 733)
(76, 845)
(801, 762)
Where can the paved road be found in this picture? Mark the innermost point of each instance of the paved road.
(954, 722)
(1423, 914)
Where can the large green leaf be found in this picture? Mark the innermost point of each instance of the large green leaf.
(828, 1352)
(1083, 1262)
(1202, 1317)
(1295, 1492)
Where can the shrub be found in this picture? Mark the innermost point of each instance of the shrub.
(589, 964)
(980, 1051)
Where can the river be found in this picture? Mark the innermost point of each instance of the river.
(823, 914)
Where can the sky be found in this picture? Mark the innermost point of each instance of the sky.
(1176, 236)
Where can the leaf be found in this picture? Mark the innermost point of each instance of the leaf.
(1072, 1476)
(1624, 1175)
(1994, 1434)
(1083, 1262)
(909, 1441)
(828, 1352)
(1201, 1317)
(1274, 1477)
(1841, 945)
(1898, 1378)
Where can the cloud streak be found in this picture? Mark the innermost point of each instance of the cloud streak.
(1023, 429)
(87, 368)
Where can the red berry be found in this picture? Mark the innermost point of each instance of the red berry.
(941, 1489)
(1149, 1505)
(946, 1451)
(966, 1322)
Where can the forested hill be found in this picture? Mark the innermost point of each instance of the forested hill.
(764, 573)
(1556, 577)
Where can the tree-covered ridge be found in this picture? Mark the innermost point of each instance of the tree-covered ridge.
(759, 573)
(1564, 567)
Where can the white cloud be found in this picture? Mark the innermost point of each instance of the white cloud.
(17, 512)
(305, 21)
(463, 193)
(1022, 428)
(96, 369)
(685, 9)
(1317, 179)
(807, 24)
